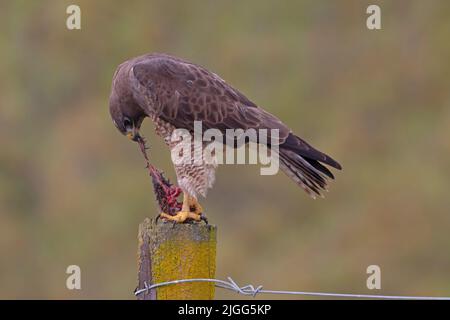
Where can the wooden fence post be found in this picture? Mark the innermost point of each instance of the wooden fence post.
(168, 251)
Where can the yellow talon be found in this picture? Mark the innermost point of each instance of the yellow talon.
(191, 209)
(181, 216)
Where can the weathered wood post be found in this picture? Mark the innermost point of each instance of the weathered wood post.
(168, 251)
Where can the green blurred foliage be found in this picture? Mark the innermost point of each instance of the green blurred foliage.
(73, 190)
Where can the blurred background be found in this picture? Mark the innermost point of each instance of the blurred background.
(73, 190)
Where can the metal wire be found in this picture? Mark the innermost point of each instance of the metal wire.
(250, 290)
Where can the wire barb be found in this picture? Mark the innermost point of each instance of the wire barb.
(250, 290)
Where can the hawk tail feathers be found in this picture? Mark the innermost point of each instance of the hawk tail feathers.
(302, 148)
(306, 172)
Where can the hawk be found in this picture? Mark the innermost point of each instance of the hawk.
(174, 93)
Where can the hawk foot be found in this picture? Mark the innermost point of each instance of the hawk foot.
(180, 217)
(191, 210)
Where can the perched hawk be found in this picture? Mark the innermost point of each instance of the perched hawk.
(174, 93)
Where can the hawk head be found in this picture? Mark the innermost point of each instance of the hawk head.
(125, 120)
(126, 114)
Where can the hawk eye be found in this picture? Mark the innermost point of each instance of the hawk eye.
(126, 122)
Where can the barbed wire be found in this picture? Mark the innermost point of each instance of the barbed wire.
(250, 290)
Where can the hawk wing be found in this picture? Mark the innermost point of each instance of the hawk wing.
(184, 92)
(180, 93)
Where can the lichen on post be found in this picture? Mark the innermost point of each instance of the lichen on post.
(169, 252)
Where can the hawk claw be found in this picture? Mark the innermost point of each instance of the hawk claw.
(180, 217)
(204, 219)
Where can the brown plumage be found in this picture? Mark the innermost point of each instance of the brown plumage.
(174, 93)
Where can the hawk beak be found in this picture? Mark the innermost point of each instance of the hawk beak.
(134, 135)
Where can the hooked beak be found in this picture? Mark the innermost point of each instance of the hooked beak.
(133, 135)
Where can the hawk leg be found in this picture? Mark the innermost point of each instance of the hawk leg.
(194, 206)
(185, 212)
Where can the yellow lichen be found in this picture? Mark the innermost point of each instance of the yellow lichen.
(185, 252)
